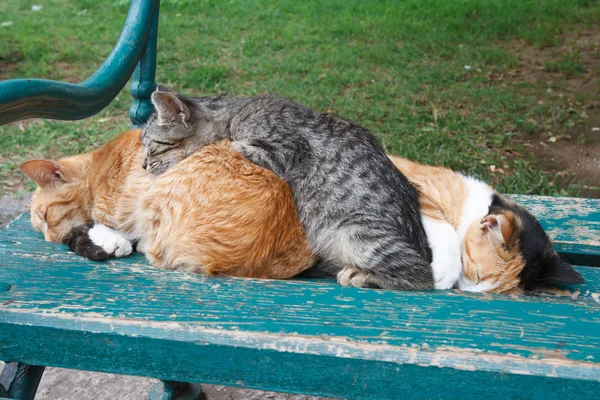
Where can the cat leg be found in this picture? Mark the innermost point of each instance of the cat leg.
(367, 278)
(79, 242)
(445, 247)
(111, 241)
(356, 277)
(372, 257)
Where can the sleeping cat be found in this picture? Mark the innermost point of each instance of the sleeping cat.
(497, 245)
(214, 213)
(360, 214)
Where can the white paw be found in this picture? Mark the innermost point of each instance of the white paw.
(446, 274)
(352, 276)
(110, 240)
(344, 277)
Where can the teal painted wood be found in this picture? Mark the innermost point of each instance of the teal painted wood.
(572, 223)
(20, 381)
(171, 390)
(143, 82)
(123, 316)
(40, 98)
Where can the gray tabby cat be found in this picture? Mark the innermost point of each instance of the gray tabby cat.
(360, 214)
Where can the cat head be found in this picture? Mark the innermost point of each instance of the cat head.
(59, 203)
(508, 251)
(178, 127)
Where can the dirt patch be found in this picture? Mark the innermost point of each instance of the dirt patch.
(566, 78)
(569, 69)
(8, 63)
(574, 156)
(67, 72)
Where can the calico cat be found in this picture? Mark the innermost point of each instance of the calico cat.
(214, 213)
(360, 214)
(484, 242)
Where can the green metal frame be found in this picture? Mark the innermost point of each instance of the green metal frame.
(135, 49)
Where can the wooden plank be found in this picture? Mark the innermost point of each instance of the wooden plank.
(293, 371)
(572, 223)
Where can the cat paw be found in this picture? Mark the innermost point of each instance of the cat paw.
(446, 275)
(355, 277)
(79, 241)
(110, 241)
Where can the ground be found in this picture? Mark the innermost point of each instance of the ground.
(571, 150)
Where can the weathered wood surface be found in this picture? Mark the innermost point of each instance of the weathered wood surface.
(311, 337)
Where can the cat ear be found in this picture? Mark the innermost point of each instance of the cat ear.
(498, 226)
(559, 271)
(170, 108)
(162, 88)
(45, 172)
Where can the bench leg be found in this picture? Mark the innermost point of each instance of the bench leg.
(172, 390)
(20, 381)
(143, 83)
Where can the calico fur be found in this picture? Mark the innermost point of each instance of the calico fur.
(480, 238)
(361, 215)
(214, 213)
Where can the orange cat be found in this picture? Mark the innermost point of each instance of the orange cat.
(480, 240)
(214, 212)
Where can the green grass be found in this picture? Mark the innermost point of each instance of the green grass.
(569, 64)
(397, 68)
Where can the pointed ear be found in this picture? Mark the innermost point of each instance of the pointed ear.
(559, 271)
(170, 108)
(498, 226)
(162, 88)
(45, 172)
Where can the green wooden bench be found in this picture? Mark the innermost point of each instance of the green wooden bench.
(304, 336)
(301, 336)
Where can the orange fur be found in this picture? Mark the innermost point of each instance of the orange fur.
(441, 190)
(214, 212)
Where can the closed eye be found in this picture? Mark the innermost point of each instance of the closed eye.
(165, 143)
(154, 152)
(161, 147)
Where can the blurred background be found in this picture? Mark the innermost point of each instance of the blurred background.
(503, 89)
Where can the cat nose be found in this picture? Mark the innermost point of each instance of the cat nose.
(144, 163)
